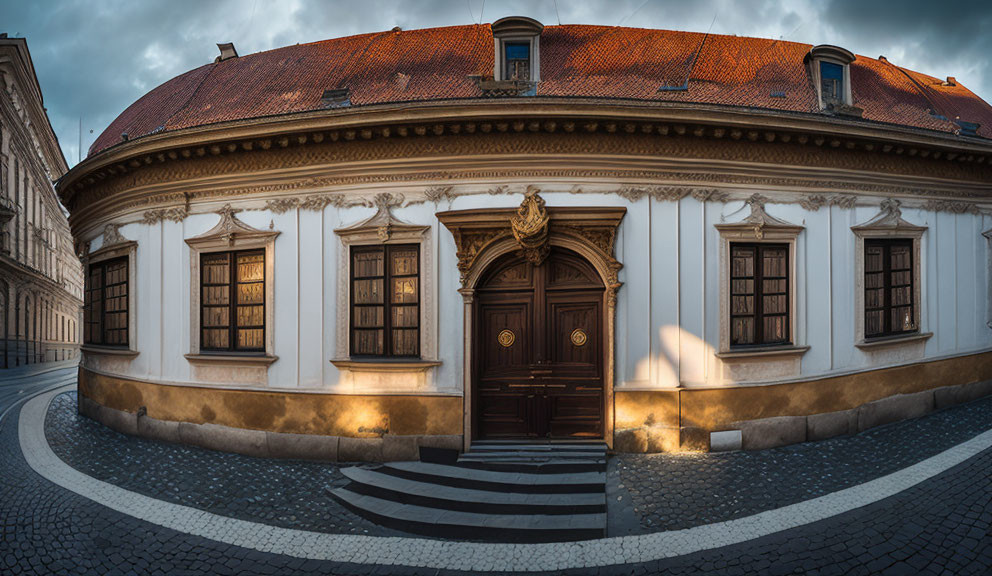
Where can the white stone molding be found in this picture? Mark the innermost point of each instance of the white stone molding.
(888, 223)
(230, 233)
(115, 245)
(988, 237)
(381, 229)
(758, 363)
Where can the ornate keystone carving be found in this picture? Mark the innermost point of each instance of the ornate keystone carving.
(530, 227)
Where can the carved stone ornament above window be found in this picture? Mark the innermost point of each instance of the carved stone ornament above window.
(759, 223)
(114, 245)
(890, 219)
(231, 231)
(383, 225)
(112, 236)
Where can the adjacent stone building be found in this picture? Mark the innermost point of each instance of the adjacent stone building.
(41, 281)
(667, 240)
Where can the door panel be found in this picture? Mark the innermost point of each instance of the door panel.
(538, 362)
(503, 386)
(575, 388)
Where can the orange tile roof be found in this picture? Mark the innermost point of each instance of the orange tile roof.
(576, 61)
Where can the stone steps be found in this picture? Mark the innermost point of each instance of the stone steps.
(543, 458)
(532, 498)
(459, 525)
(375, 483)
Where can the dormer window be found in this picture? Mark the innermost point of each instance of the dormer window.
(518, 49)
(830, 69)
(831, 82)
(516, 56)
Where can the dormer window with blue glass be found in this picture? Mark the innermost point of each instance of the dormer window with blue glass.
(517, 61)
(518, 52)
(830, 69)
(831, 82)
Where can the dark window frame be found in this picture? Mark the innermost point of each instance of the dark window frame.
(387, 304)
(887, 286)
(232, 304)
(95, 330)
(758, 294)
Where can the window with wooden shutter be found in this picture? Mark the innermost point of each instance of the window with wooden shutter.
(232, 301)
(105, 313)
(759, 294)
(889, 287)
(385, 300)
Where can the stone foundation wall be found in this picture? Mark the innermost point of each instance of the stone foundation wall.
(775, 415)
(279, 424)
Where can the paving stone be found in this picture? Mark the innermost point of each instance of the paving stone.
(674, 491)
(45, 529)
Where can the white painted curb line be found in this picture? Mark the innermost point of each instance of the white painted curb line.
(476, 557)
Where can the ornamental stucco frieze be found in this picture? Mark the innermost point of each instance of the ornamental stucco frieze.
(344, 162)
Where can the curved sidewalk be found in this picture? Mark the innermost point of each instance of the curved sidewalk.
(461, 555)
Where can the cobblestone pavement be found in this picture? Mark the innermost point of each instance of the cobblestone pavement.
(290, 494)
(670, 492)
(940, 526)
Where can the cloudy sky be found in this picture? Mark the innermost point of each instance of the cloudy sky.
(96, 57)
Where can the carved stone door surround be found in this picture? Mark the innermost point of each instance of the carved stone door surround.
(483, 235)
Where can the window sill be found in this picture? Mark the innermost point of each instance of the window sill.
(884, 341)
(756, 352)
(386, 365)
(108, 351)
(231, 359)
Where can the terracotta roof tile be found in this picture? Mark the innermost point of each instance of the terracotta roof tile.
(576, 61)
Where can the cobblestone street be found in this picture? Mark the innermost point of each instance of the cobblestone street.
(938, 526)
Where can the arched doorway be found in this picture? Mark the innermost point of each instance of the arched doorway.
(538, 348)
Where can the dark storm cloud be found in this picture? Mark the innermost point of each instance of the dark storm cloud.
(939, 38)
(95, 58)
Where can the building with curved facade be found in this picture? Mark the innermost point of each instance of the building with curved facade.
(41, 280)
(667, 240)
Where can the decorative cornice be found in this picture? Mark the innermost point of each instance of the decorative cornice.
(950, 206)
(814, 202)
(100, 179)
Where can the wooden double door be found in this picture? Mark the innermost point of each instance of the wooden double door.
(538, 349)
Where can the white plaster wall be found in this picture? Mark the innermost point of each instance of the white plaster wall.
(668, 309)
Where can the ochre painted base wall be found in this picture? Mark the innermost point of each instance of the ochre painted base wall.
(364, 416)
(646, 421)
(668, 420)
